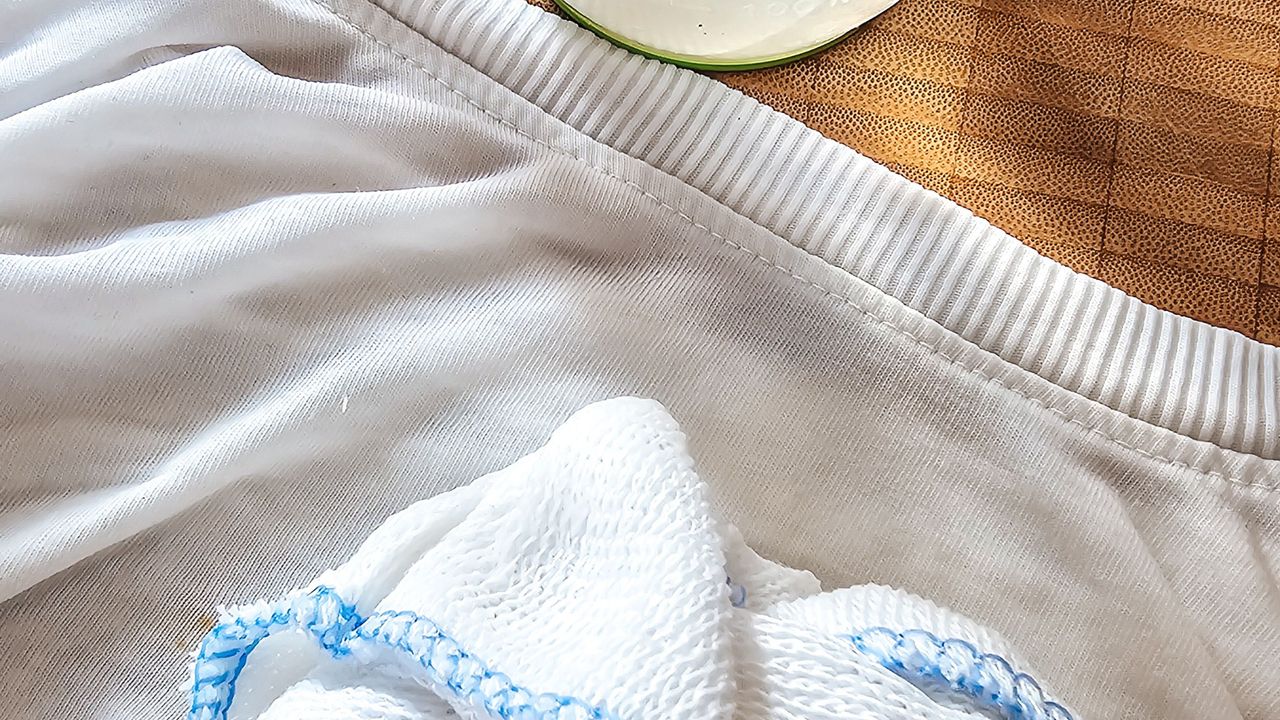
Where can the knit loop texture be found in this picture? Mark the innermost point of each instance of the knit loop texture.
(591, 580)
(338, 628)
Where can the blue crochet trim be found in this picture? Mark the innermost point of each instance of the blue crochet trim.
(919, 656)
(737, 593)
(339, 629)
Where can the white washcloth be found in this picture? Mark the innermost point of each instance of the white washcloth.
(592, 579)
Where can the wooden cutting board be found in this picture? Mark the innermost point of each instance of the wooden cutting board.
(1132, 140)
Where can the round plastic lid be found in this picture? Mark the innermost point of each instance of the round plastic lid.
(724, 34)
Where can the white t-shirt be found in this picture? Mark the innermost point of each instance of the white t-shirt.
(274, 270)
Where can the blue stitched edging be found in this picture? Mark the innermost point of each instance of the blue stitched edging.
(340, 630)
(737, 593)
(919, 655)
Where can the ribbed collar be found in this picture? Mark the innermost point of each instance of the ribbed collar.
(1202, 382)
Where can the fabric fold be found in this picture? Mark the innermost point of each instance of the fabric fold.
(977, 281)
(592, 580)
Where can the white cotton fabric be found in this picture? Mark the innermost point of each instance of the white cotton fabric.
(595, 569)
(275, 270)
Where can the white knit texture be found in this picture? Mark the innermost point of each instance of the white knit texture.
(595, 568)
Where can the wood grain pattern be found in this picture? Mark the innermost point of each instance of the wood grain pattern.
(1132, 140)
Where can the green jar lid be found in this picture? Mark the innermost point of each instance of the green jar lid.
(724, 34)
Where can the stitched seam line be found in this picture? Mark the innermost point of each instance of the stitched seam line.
(919, 656)
(339, 629)
(916, 655)
(933, 348)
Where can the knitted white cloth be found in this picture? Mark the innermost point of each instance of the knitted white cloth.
(592, 579)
